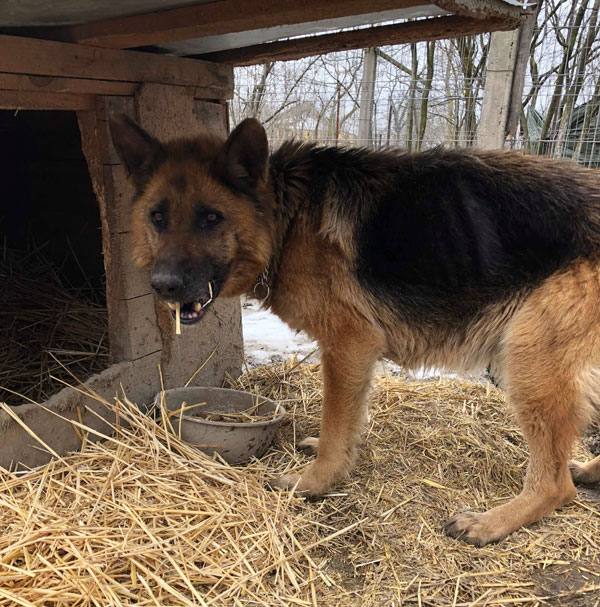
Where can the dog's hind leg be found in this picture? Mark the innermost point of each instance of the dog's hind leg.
(347, 363)
(551, 343)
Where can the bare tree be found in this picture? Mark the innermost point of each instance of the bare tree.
(430, 93)
(425, 94)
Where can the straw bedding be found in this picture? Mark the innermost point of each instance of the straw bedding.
(142, 519)
(47, 327)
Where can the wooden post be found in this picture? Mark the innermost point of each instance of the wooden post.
(367, 90)
(497, 92)
(139, 328)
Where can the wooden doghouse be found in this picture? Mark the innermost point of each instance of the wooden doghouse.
(71, 56)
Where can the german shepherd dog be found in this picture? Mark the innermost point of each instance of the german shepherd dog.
(444, 258)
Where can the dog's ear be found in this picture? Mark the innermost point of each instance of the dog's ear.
(242, 162)
(140, 152)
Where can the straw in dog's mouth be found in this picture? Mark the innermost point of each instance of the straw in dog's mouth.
(191, 312)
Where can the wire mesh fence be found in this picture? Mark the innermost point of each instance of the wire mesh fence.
(420, 95)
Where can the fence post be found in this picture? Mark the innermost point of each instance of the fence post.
(367, 89)
(497, 92)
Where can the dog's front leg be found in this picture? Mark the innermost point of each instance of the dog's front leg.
(347, 365)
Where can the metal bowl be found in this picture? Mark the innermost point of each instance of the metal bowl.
(236, 442)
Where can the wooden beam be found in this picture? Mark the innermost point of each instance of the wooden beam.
(216, 18)
(29, 100)
(401, 33)
(496, 95)
(50, 58)
(25, 82)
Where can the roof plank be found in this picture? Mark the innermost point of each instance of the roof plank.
(400, 33)
(217, 18)
(50, 58)
(482, 9)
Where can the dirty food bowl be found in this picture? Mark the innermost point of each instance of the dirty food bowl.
(235, 440)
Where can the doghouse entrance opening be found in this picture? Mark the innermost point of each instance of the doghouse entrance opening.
(53, 319)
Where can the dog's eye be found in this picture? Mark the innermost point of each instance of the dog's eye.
(158, 218)
(211, 219)
(206, 217)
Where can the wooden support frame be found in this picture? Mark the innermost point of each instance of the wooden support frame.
(497, 92)
(62, 76)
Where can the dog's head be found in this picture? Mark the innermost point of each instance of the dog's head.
(200, 220)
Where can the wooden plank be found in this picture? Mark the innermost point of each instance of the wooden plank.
(521, 63)
(216, 18)
(51, 58)
(31, 100)
(132, 324)
(496, 95)
(25, 82)
(401, 33)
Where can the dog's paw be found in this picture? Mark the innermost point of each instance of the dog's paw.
(309, 485)
(287, 481)
(308, 445)
(585, 474)
(474, 528)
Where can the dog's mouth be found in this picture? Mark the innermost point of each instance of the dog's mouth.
(192, 311)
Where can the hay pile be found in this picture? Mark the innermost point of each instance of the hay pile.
(143, 519)
(47, 327)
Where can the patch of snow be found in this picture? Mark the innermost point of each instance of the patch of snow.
(268, 340)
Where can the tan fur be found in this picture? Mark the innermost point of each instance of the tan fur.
(548, 348)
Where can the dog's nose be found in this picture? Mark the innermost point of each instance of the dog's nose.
(167, 285)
